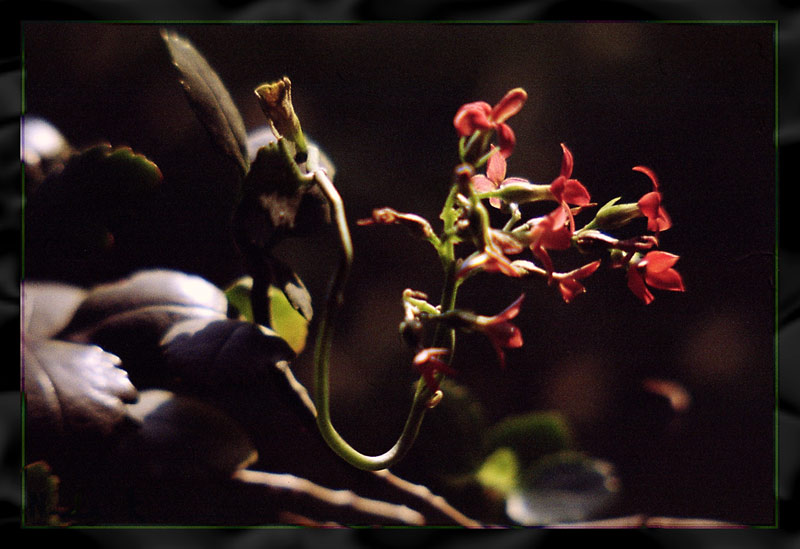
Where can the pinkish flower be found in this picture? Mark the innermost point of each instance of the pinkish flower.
(501, 332)
(650, 204)
(655, 270)
(479, 115)
(428, 363)
(568, 282)
(551, 232)
(495, 178)
(490, 259)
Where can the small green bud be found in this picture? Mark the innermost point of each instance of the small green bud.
(521, 193)
(613, 215)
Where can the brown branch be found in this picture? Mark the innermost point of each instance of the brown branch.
(309, 500)
(424, 493)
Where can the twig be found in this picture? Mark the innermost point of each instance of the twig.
(423, 492)
(309, 496)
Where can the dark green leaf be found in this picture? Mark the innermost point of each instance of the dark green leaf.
(532, 435)
(129, 317)
(89, 221)
(275, 203)
(210, 99)
(184, 437)
(207, 353)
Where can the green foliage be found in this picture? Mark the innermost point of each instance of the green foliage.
(211, 101)
(41, 495)
(500, 471)
(532, 435)
(88, 221)
(285, 319)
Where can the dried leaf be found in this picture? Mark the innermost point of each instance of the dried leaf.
(210, 99)
(275, 205)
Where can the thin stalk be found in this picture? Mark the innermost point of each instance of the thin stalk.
(322, 356)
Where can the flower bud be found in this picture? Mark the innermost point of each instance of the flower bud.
(613, 215)
(522, 193)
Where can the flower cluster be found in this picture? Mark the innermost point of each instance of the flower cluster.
(486, 143)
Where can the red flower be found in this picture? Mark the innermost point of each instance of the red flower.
(501, 332)
(650, 205)
(551, 232)
(566, 190)
(655, 270)
(479, 115)
(428, 363)
(568, 282)
(495, 178)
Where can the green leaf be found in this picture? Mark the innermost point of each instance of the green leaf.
(532, 435)
(499, 471)
(184, 437)
(90, 220)
(238, 295)
(210, 99)
(284, 318)
(129, 317)
(41, 496)
(287, 321)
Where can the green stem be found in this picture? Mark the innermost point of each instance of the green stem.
(322, 357)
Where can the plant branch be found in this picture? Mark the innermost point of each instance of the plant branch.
(322, 355)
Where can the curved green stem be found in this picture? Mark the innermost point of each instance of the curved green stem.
(322, 356)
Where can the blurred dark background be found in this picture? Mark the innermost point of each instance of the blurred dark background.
(695, 102)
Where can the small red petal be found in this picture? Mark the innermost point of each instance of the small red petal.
(570, 288)
(496, 167)
(665, 280)
(483, 184)
(557, 188)
(638, 287)
(658, 261)
(649, 173)
(506, 139)
(515, 339)
(649, 204)
(586, 270)
(566, 162)
(575, 193)
(663, 221)
(511, 103)
(512, 310)
(471, 117)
